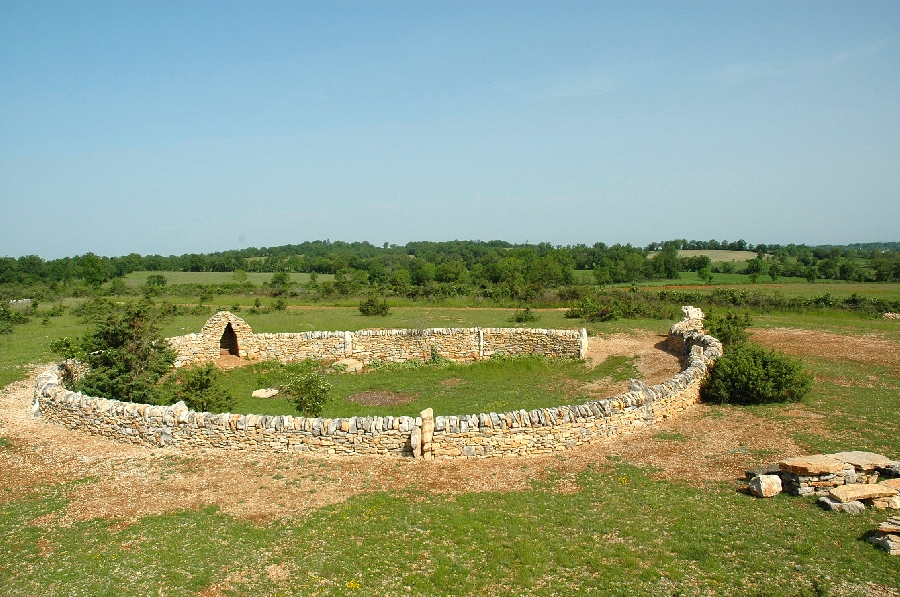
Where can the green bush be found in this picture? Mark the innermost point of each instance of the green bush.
(307, 391)
(730, 329)
(372, 306)
(525, 315)
(750, 374)
(125, 352)
(201, 388)
(590, 310)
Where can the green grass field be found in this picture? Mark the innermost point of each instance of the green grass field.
(615, 528)
(451, 389)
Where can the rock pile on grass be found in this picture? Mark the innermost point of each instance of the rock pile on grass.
(844, 481)
(887, 537)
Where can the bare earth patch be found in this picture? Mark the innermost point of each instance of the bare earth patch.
(860, 348)
(655, 362)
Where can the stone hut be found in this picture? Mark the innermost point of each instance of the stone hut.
(223, 334)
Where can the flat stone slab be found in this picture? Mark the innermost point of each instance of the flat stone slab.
(858, 491)
(865, 461)
(891, 525)
(889, 543)
(816, 464)
(892, 483)
(836, 506)
(264, 393)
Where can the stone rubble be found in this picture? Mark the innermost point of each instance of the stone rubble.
(845, 482)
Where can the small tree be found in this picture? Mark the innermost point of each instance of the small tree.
(125, 352)
(525, 315)
(202, 389)
(372, 306)
(705, 274)
(280, 283)
(307, 391)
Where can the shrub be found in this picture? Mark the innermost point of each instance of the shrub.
(730, 329)
(372, 306)
(524, 315)
(201, 388)
(307, 391)
(750, 374)
(125, 352)
(279, 305)
(590, 310)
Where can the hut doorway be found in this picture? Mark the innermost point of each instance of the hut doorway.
(229, 343)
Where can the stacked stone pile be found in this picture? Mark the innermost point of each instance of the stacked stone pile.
(887, 536)
(844, 481)
(892, 315)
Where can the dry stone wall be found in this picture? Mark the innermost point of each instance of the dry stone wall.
(457, 344)
(426, 436)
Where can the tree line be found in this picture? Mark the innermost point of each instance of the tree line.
(455, 267)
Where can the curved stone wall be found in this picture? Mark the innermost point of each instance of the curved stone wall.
(469, 436)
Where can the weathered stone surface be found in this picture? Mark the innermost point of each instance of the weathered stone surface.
(836, 506)
(887, 503)
(892, 483)
(264, 393)
(765, 486)
(862, 461)
(891, 525)
(889, 543)
(858, 491)
(815, 464)
(415, 440)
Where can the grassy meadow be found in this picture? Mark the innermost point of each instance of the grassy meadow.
(611, 527)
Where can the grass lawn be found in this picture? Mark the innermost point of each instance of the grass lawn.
(451, 389)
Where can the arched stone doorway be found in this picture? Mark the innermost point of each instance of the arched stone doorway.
(228, 344)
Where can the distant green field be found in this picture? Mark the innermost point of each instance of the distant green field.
(720, 256)
(138, 278)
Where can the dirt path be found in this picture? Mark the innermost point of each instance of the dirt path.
(127, 482)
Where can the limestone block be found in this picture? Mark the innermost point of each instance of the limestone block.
(888, 542)
(854, 507)
(816, 464)
(862, 461)
(892, 503)
(264, 393)
(858, 491)
(765, 486)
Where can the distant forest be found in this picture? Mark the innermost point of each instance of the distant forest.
(495, 269)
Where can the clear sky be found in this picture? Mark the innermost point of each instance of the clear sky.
(173, 127)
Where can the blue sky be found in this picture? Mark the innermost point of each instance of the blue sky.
(192, 127)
